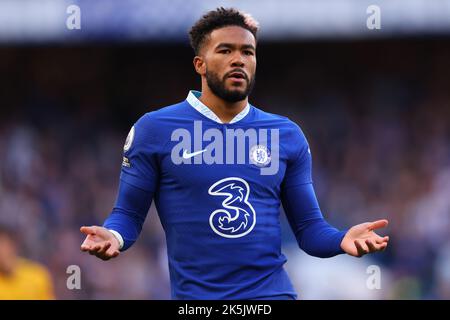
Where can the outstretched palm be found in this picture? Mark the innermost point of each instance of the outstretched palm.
(361, 239)
(100, 242)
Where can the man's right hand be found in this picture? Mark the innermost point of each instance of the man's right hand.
(100, 242)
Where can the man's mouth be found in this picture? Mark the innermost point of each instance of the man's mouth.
(237, 76)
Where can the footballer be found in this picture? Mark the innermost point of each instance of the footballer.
(218, 169)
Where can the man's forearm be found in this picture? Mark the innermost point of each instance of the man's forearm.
(318, 238)
(129, 213)
(313, 233)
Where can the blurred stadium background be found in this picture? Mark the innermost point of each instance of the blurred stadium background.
(374, 104)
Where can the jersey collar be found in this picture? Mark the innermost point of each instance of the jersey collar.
(193, 100)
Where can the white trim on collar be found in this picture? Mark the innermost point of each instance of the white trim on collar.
(193, 100)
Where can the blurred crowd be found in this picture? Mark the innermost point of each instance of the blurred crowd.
(376, 114)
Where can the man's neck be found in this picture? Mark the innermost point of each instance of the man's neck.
(226, 111)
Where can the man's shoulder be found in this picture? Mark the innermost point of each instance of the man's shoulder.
(155, 127)
(280, 121)
(164, 114)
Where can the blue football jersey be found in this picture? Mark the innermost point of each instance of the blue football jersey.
(217, 188)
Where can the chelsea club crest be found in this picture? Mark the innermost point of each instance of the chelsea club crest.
(260, 155)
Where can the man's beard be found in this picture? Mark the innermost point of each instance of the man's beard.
(217, 86)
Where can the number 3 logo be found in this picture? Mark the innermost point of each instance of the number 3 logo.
(237, 217)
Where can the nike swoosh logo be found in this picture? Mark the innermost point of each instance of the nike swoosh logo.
(187, 155)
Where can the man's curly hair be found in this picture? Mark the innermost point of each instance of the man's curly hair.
(217, 19)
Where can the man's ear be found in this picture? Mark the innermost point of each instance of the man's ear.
(200, 65)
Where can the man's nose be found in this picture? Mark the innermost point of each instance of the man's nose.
(237, 61)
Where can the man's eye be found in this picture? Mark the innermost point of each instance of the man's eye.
(248, 52)
(225, 51)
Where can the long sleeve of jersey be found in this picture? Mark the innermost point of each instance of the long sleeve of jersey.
(129, 213)
(138, 182)
(314, 235)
